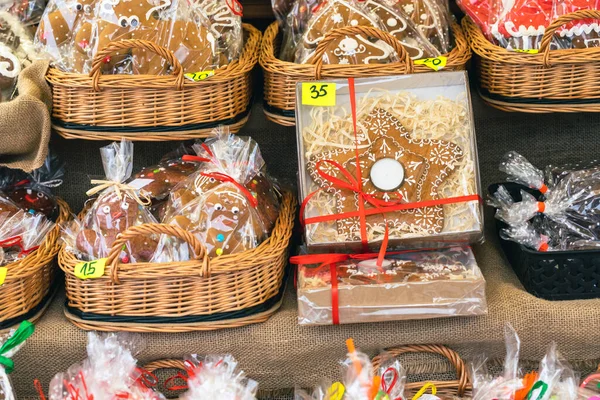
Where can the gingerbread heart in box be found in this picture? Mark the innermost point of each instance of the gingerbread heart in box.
(230, 203)
(117, 208)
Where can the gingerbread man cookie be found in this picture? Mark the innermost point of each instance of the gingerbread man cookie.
(394, 168)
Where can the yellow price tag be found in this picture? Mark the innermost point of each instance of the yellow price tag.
(199, 76)
(318, 94)
(436, 63)
(336, 391)
(530, 51)
(3, 272)
(90, 269)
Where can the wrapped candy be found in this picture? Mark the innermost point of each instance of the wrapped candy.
(217, 378)
(11, 343)
(526, 235)
(110, 372)
(20, 234)
(230, 204)
(16, 53)
(118, 207)
(521, 171)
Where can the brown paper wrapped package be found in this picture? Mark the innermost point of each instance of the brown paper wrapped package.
(25, 121)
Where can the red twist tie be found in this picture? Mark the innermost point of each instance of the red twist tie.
(226, 178)
(543, 247)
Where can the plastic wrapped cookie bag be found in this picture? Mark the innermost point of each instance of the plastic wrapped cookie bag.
(21, 234)
(230, 204)
(11, 343)
(56, 30)
(578, 34)
(330, 15)
(109, 372)
(433, 21)
(117, 207)
(294, 26)
(16, 53)
(28, 12)
(225, 24)
(219, 378)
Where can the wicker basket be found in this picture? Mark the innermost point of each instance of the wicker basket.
(456, 388)
(281, 76)
(150, 107)
(28, 287)
(550, 81)
(201, 294)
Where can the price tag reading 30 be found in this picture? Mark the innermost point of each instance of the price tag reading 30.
(90, 269)
(318, 94)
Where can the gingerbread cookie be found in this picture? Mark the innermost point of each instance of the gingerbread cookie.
(402, 28)
(157, 181)
(432, 21)
(33, 200)
(395, 168)
(357, 49)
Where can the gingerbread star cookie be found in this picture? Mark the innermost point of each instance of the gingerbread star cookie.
(394, 168)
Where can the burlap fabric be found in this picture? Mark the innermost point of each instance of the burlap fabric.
(25, 121)
(281, 354)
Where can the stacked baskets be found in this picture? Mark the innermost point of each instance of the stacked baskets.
(29, 284)
(149, 107)
(281, 76)
(549, 81)
(200, 294)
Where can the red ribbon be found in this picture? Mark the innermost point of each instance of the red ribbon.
(17, 241)
(235, 6)
(384, 385)
(226, 178)
(189, 373)
(189, 157)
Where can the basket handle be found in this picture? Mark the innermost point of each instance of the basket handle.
(451, 355)
(164, 364)
(557, 23)
(98, 60)
(156, 229)
(317, 57)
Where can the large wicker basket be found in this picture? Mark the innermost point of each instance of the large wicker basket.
(150, 107)
(201, 294)
(28, 287)
(549, 81)
(281, 76)
(455, 388)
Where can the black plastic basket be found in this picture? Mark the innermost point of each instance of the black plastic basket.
(556, 275)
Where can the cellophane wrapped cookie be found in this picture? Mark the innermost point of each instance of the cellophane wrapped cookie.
(16, 53)
(28, 12)
(217, 377)
(230, 203)
(110, 372)
(10, 344)
(578, 34)
(433, 20)
(21, 233)
(117, 207)
(418, 182)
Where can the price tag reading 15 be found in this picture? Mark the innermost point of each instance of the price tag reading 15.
(90, 269)
(318, 94)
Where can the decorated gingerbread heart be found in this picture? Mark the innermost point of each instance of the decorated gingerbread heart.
(395, 168)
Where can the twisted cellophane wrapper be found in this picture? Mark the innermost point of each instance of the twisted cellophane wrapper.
(435, 118)
(218, 377)
(109, 372)
(7, 391)
(21, 233)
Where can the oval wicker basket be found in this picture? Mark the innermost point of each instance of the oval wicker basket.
(456, 388)
(201, 294)
(281, 76)
(549, 81)
(28, 287)
(150, 107)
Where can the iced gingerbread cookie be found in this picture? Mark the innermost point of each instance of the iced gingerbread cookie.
(357, 49)
(33, 200)
(158, 181)
(395, 168)
(10, 64)
(431, 20)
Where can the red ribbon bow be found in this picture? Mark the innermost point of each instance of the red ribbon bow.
(17, 241)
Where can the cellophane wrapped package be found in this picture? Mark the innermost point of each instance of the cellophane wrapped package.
(10, 344)
(117, 207)
(110, 372)
(418, 181)
(217, 377)
(407, 285)
(230, 203)
(28, 12)
(16, 53)
(21, 233)
(202, 35)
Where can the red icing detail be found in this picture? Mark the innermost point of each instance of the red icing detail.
(31, 199)
(106, 60)
(125, 259)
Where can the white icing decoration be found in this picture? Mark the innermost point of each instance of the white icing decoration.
(6, 69)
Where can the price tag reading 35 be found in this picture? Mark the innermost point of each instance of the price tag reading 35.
(90, 269)
(318, 94)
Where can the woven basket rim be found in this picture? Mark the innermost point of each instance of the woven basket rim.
(43, 255)
(237, 68)
(457, 57)
(225, 264)
(481, 46)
